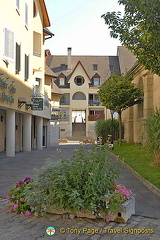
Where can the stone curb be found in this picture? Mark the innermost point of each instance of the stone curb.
(153, 188)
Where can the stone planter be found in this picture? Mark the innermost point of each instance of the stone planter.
(122, 215)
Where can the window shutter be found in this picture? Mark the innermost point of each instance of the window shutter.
(8, 43)
(26, 14)
(26, 67)
(18, 57)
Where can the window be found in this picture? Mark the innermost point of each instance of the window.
(37, 44)
(96, 82)
(26, 67)
(95, 67)
(79, 96)
(18, 58)
(8, 44)
(79, 80)
(112, 69)
(26, 14)
(61, 81)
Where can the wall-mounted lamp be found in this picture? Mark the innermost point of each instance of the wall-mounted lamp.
(21, 101)
(2, 118)
(29, 104)
(16, 127)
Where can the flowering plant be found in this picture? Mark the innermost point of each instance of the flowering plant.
(116, 197)
(16, 197)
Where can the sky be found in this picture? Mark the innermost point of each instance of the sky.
(78, 24)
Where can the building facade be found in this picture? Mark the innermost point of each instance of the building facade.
(24, 104)
(133, 117)
(79, 78)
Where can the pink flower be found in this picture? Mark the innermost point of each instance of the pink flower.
(110, 213)
(15, 206)
(7, 197)
(106, 195)
(21, 213)
(28, 213)
(22, 199)
(16, 201)
(108, 220)
(92, 212)
(21, 183)
(13, 196)
(5, 192)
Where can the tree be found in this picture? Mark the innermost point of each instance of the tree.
(120, 93)
(138, 30)
(152, 130)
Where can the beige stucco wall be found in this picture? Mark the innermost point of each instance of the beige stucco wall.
(133, 117)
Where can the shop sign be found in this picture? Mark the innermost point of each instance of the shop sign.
(37, 104)
(11, 89)
(62, 115)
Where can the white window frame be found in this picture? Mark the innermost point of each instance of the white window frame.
(96, 80)
(61, 81)
(11, 44)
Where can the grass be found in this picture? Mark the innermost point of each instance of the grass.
(139, 158)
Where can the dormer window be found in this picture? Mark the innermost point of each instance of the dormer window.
(96, 81)
(112, 69)
(61, 81)
(95, 67)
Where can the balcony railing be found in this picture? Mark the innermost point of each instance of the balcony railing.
(64, 102)
(94, 103)
(96, 117)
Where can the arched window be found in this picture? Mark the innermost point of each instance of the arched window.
(79, 96)
(79, 80)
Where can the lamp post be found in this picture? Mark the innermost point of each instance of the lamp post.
(112, 112)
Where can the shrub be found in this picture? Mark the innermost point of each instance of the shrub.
(77, 183)
(103, 128)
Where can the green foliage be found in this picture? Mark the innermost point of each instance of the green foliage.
(152, 130)
(103, 128)
(120, 93)
(138, 30)
(77, 183)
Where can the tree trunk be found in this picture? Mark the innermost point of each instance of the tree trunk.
(120, 128)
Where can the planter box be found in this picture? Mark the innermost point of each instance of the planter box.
(125, 212)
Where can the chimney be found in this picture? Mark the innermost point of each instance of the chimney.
(69, 58)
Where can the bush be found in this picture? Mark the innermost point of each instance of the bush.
(103, 128)
(77, 183)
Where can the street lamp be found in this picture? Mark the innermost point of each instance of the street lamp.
(112, 112)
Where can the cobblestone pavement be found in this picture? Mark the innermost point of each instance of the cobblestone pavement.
(144, 225)
(20, 227)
